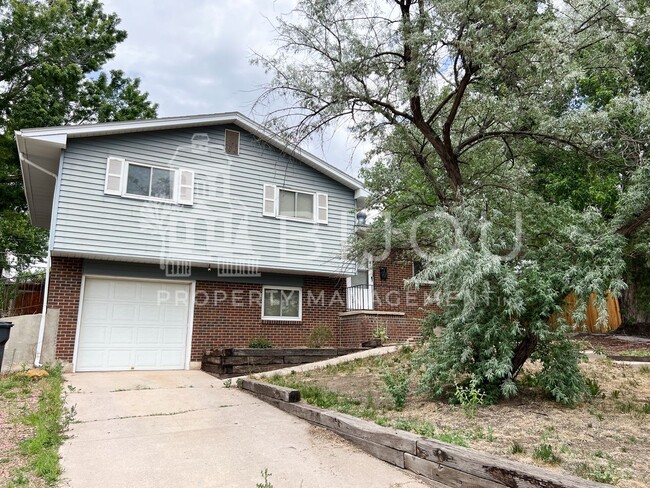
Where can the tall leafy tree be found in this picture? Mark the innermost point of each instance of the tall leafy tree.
(51, 55)
(457, 97)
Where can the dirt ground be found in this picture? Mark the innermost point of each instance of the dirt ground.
(606, 439)
(611, 344)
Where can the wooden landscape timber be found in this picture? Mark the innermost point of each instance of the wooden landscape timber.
(442, 463)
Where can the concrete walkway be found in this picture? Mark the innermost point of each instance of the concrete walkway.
(184, 429)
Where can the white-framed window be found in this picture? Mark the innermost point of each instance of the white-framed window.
(295, 204)
(281, 303)
(291, 204)
(149, 181)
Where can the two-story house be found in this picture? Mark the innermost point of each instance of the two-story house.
(176, 235)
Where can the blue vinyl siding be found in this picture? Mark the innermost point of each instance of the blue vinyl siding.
(225, 224)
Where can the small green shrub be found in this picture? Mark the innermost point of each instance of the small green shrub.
(544, 452)
(319, 336)
(259, 343)
(227, 383)
(397, 385)
(646, 408)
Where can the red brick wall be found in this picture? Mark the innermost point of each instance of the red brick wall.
(223, 317)
(390, 294)
(63, 294)
(359, 327)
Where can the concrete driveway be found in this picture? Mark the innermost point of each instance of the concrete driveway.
(184, 429)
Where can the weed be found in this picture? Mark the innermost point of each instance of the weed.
(597, 414)
(544, 452)
(267, 484)
(490, 435)
(646, 408)
(380, 333)
(517, 448)
(626, 407)
(616, 394)
(49, 420)
(319, 336)
(594, 388)
(227, 383)
(420, 427)
(397, 385)
(259, 343)
(469, 397)
(644, 369)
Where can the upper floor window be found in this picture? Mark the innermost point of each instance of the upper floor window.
(149, 182)
(295, 204)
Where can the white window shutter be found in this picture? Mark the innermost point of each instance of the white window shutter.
(114, 172)
(269, 201)
(186, 187)
(321, 208)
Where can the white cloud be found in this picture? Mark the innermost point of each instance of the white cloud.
(193, 57)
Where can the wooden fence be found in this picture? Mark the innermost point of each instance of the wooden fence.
(591, 324)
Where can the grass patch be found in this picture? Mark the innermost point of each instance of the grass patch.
(323, 398)
(634, 352)
(46, 420)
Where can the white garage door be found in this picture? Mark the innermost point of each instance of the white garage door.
(128, 324)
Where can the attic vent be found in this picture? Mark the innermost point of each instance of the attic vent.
(232, 142)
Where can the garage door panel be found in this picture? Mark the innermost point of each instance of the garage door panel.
(124, 325)
(155, 292)
(98, 313)
(98, 289)
(92, 358)
(94, 336)
(172, 336)
(170, 357)
(173, 314)
(148, 335)
(124, 312)
(126, 290)
(121, 336)
(149, 313)
(118, 359)
(147, 359)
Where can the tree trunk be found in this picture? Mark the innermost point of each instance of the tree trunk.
(635, 300)
(523, 351)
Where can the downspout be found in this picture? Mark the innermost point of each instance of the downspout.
(41, 328)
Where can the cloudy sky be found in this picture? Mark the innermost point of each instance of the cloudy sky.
(193, 58)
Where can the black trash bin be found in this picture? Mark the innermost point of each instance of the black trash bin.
(5, 330)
